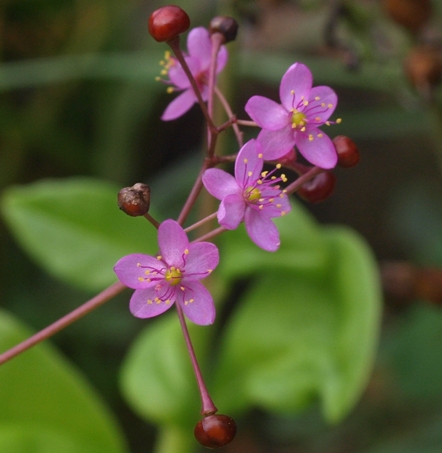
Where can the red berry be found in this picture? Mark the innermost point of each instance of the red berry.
(348, 154)
(319, 188)
(168, 22)
(215, 430)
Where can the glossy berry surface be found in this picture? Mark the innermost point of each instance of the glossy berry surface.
(168, 22)
(215, 430)
(319, 188)
(348, 154)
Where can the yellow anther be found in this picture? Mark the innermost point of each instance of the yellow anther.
(320, 135)
(170, 90)
(245, 161)
(305, 103)
(249, 173)
(278, 166)
(317, 98)
(330, 106)
(339, 120)
(260, 156)
(310, 137)
(264, 173)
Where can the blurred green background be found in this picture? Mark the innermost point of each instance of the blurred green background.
(78, 97)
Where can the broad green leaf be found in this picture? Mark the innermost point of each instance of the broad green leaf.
(46, 403)
(297, 337)
(302, 248)
(73, 228)
(157, 378)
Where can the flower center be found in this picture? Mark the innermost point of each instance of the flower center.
(252, 194)
(298, 119)
(173, 276)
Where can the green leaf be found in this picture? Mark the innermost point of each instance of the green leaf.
(46, 405)
(157, 378)
(74, 230)
(298, 336)
(302, 248)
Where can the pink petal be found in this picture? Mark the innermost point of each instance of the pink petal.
(197, 303)
(267, 113)
(231, 211)
(177, 75)
(262, 230)
(249, 163)
(131, 270)
(199, 46)
(322, 104)
(320, 151)
(220, 183)
(172, 241)
(221, 60)
(295, 85)
(276, 144)
(203, 257)
(141, 308)
(180, 105)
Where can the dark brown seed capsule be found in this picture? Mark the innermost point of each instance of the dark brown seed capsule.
(319, 188)
(168, 22)
(215, 430)
(225, 25)
(135, 200)
(348, 154)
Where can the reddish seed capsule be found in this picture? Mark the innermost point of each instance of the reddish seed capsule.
(215, 430)
(319, 188)
(225, 25)
(135, 200)
(168, 22)
(348, 154)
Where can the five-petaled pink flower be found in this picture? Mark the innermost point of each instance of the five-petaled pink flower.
(296, 120)
(251, 196)
(199, 47)
(172, 276)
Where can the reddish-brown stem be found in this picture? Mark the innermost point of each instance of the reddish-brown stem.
(154, 222)
(207, 404)
(295, 185)
(71, 317)
(200, 222)
(234, 121)
(211, 234)
(196, 189)
(175, 46)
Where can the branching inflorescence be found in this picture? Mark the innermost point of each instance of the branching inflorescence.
(252, 195)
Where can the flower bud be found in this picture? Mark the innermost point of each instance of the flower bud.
(319, 188)
(347, 151)
(135, 200)
(168, 22)
(215, 430)
(225, 25)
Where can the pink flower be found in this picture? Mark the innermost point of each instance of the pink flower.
(172, 276)
(251, 196)
(199, 46)
(296, 120)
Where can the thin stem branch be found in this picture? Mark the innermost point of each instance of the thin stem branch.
(225, 104)
(71, 317)
(175, 46)
(207, 404)
(211, 234)
(295, 185)
(196, 189)
(200, 222)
